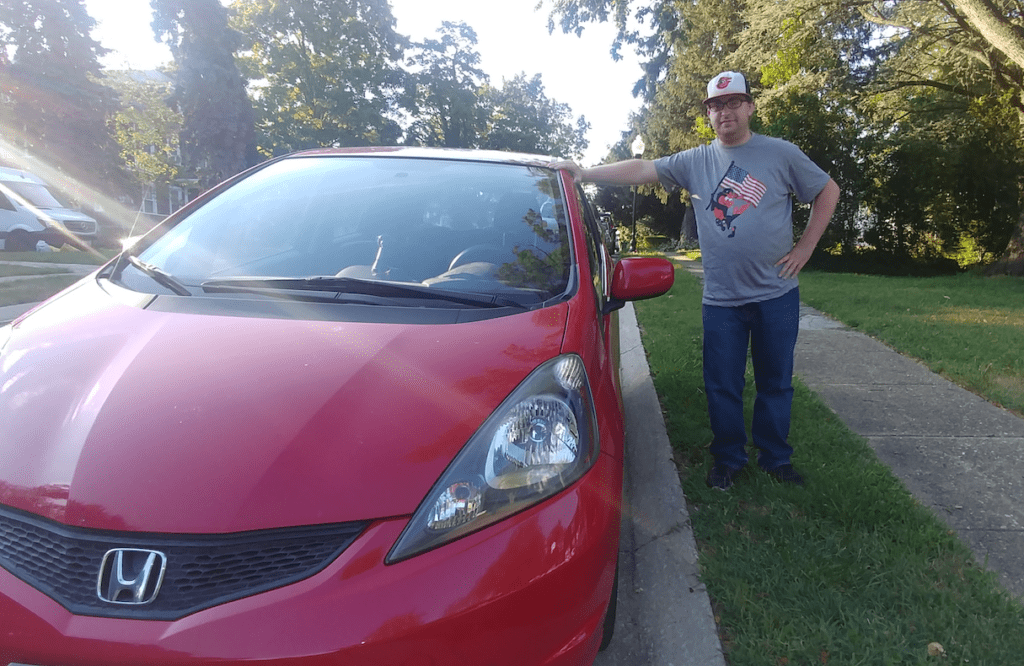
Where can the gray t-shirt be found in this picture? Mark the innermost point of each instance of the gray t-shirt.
(742, 197)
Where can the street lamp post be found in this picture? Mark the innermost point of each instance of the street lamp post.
(637, 147)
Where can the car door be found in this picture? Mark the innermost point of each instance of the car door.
(16, 218)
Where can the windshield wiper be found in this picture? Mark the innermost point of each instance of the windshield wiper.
(161, 276)
(360, 286)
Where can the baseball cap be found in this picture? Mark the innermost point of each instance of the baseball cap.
(728, 83)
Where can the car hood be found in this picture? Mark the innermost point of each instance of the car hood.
(67, 215)
(113, 416)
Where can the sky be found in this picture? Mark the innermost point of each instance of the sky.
(578, 71)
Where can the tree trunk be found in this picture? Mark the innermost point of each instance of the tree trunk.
(995, 27)
(1012, 261)
(688, 230)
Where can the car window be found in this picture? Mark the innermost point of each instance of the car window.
(35, 194)
(595, 255)
(474, 226)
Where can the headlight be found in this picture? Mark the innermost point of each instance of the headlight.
(540, 440)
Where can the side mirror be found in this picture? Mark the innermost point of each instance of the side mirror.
(637, 278)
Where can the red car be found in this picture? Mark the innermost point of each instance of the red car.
(350, 407)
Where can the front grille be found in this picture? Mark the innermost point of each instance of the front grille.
(202, 570)
(80, 227)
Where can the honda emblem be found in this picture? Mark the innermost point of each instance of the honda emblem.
(131, 576)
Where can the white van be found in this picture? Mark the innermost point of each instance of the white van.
(30, 215)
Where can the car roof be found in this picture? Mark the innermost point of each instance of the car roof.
(17, 175)
(497, 156)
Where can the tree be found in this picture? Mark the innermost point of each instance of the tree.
(54, 104)
(968, 47)
(148, 133)
(209, 91)
(326, 70)
(444, 90)
(945, 176)
(147, 129)
(906, 82)
(973, 49)
(647, 26)
(870, 90)
(703, 47)
(999, 25)
(524, 119)
(453, 104)
(810, 62)
(800, 80)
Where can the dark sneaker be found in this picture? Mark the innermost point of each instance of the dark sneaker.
(721, 477)
(786, 474)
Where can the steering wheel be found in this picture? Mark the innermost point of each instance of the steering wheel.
(491, 254)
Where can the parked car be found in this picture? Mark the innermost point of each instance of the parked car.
(30, 214)
(610, 233)
(350, 407)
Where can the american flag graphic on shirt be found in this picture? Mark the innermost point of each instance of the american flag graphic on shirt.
(744, 184)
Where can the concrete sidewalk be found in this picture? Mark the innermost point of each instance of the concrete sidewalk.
(664, 614)
(958, 454)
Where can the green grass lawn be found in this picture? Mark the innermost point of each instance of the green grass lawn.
(31, 291)
(851, 569)
(13, 270)
(64, 256)
(967, 328)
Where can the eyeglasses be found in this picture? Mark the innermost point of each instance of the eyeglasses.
(732, 103)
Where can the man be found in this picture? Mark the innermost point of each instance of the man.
(742, 186)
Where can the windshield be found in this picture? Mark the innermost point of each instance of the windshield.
(35, 194)
(447, 224)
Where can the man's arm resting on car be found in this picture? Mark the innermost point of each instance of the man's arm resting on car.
(626, 172)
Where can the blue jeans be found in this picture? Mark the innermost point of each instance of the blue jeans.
(769, 329)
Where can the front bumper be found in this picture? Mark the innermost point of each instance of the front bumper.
(530, 590)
